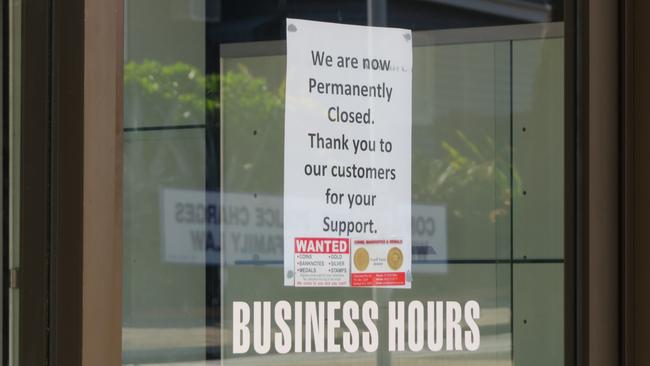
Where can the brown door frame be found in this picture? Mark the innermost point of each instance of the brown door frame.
(102, 239)
(67, 183)
(34, 230)
(598, 253)
(71, 287)
(635, 181)
(70, 182)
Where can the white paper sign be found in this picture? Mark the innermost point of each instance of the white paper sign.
(347, 156)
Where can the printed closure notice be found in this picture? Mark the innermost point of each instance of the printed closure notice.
(347, 156)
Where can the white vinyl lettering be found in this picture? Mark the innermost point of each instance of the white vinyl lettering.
(283, 337)
(297, 327)
(241, 336)
(370, 339)
(396, 326)
(336, 326)
(473, 335)
(351, 337)
(453, 317)
(315, 326)
(262, 327)
(332, 325)
(435, 316)
(416, 326)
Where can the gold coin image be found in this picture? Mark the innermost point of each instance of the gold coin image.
(395, 258)
(361, 259)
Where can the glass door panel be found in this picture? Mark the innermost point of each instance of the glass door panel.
(203, 178)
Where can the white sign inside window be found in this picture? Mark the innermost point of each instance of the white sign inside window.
(347, 156)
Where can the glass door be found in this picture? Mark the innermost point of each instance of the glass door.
(204, 117)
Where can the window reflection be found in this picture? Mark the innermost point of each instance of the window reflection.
(204, 114)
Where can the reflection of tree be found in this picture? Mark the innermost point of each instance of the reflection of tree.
(249, 100)
(253, 133)
(177, 93)
(470, 169)
(167, 94)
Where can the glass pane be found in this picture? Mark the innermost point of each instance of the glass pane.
(164, 315)
(203, 178)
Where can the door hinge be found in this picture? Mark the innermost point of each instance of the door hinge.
(13, 278)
